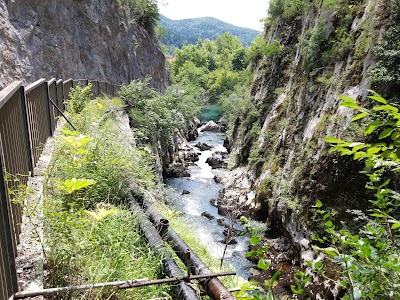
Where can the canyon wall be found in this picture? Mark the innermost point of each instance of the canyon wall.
(325, 49)
(96, 39)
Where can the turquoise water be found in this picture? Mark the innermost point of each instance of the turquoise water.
(210, 112)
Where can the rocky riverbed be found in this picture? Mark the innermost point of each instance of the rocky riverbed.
(197, 196)
(213, 198)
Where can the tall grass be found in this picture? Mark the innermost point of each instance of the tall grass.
(90, 235)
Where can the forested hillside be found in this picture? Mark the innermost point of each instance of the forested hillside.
(189, 31)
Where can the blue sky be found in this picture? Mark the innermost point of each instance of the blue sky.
(244, 13)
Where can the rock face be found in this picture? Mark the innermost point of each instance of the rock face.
(94, 39)
(178, 157)
(294, 93)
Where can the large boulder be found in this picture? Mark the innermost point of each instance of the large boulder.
(203, 146)
(188, 156)
(211, 126)
(216, 161)
(177, 170)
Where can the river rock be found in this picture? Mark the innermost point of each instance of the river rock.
(223, 209)
(213, 202)
(217, 179)
(203, 146)
(216, 161)
(177, 170)
(211, 126)
(221, 222)
(207, 215)
(228, 241)
(229, 230)
(188, 156)
(185, 192)
(236, 193)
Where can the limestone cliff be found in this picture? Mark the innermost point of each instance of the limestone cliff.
(325, 50)
(96, 39)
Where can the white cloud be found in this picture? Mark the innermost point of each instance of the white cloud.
(246, 13)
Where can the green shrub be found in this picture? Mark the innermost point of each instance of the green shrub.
(156, 116)
(78, 98)
(369, 258)
(90, 235)
(145, 13)
(260, 48)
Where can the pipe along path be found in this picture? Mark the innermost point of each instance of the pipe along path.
(214, 287)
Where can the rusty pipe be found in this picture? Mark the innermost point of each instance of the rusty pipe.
(124, 284)
(182, 290)
(214, 287)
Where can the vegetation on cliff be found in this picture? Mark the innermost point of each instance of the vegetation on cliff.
(145, 13)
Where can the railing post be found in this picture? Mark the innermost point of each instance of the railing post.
(27, 130)
(8, 274)
(47, 95)
(52, 94)
(60, 95)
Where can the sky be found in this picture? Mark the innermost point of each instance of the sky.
(244, 13)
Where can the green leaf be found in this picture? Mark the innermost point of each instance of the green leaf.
(318, 204)
(398, 152)
(377, 215)
(373, 150)
(263, 264)
(333, 140)
(359, 155)
(251, 253)
(359, 116)
(330, 251)
(254, 240)
(378, 98)
(370, 129)
(329, 224)
(395, 135)
(318, 264)
(396, 225)
(386, 133)
(72, 185)
(350, 104)
(346, 98)
(275, 276)
(388, 108)
(327, 215)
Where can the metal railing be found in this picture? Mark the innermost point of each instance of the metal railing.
(27, 118)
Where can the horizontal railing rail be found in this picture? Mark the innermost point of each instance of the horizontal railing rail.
(28, 117)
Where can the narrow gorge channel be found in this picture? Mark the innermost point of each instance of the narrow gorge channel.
(195, 197)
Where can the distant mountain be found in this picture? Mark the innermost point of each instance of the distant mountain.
(188, 31)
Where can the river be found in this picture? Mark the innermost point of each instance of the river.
(202, 187)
